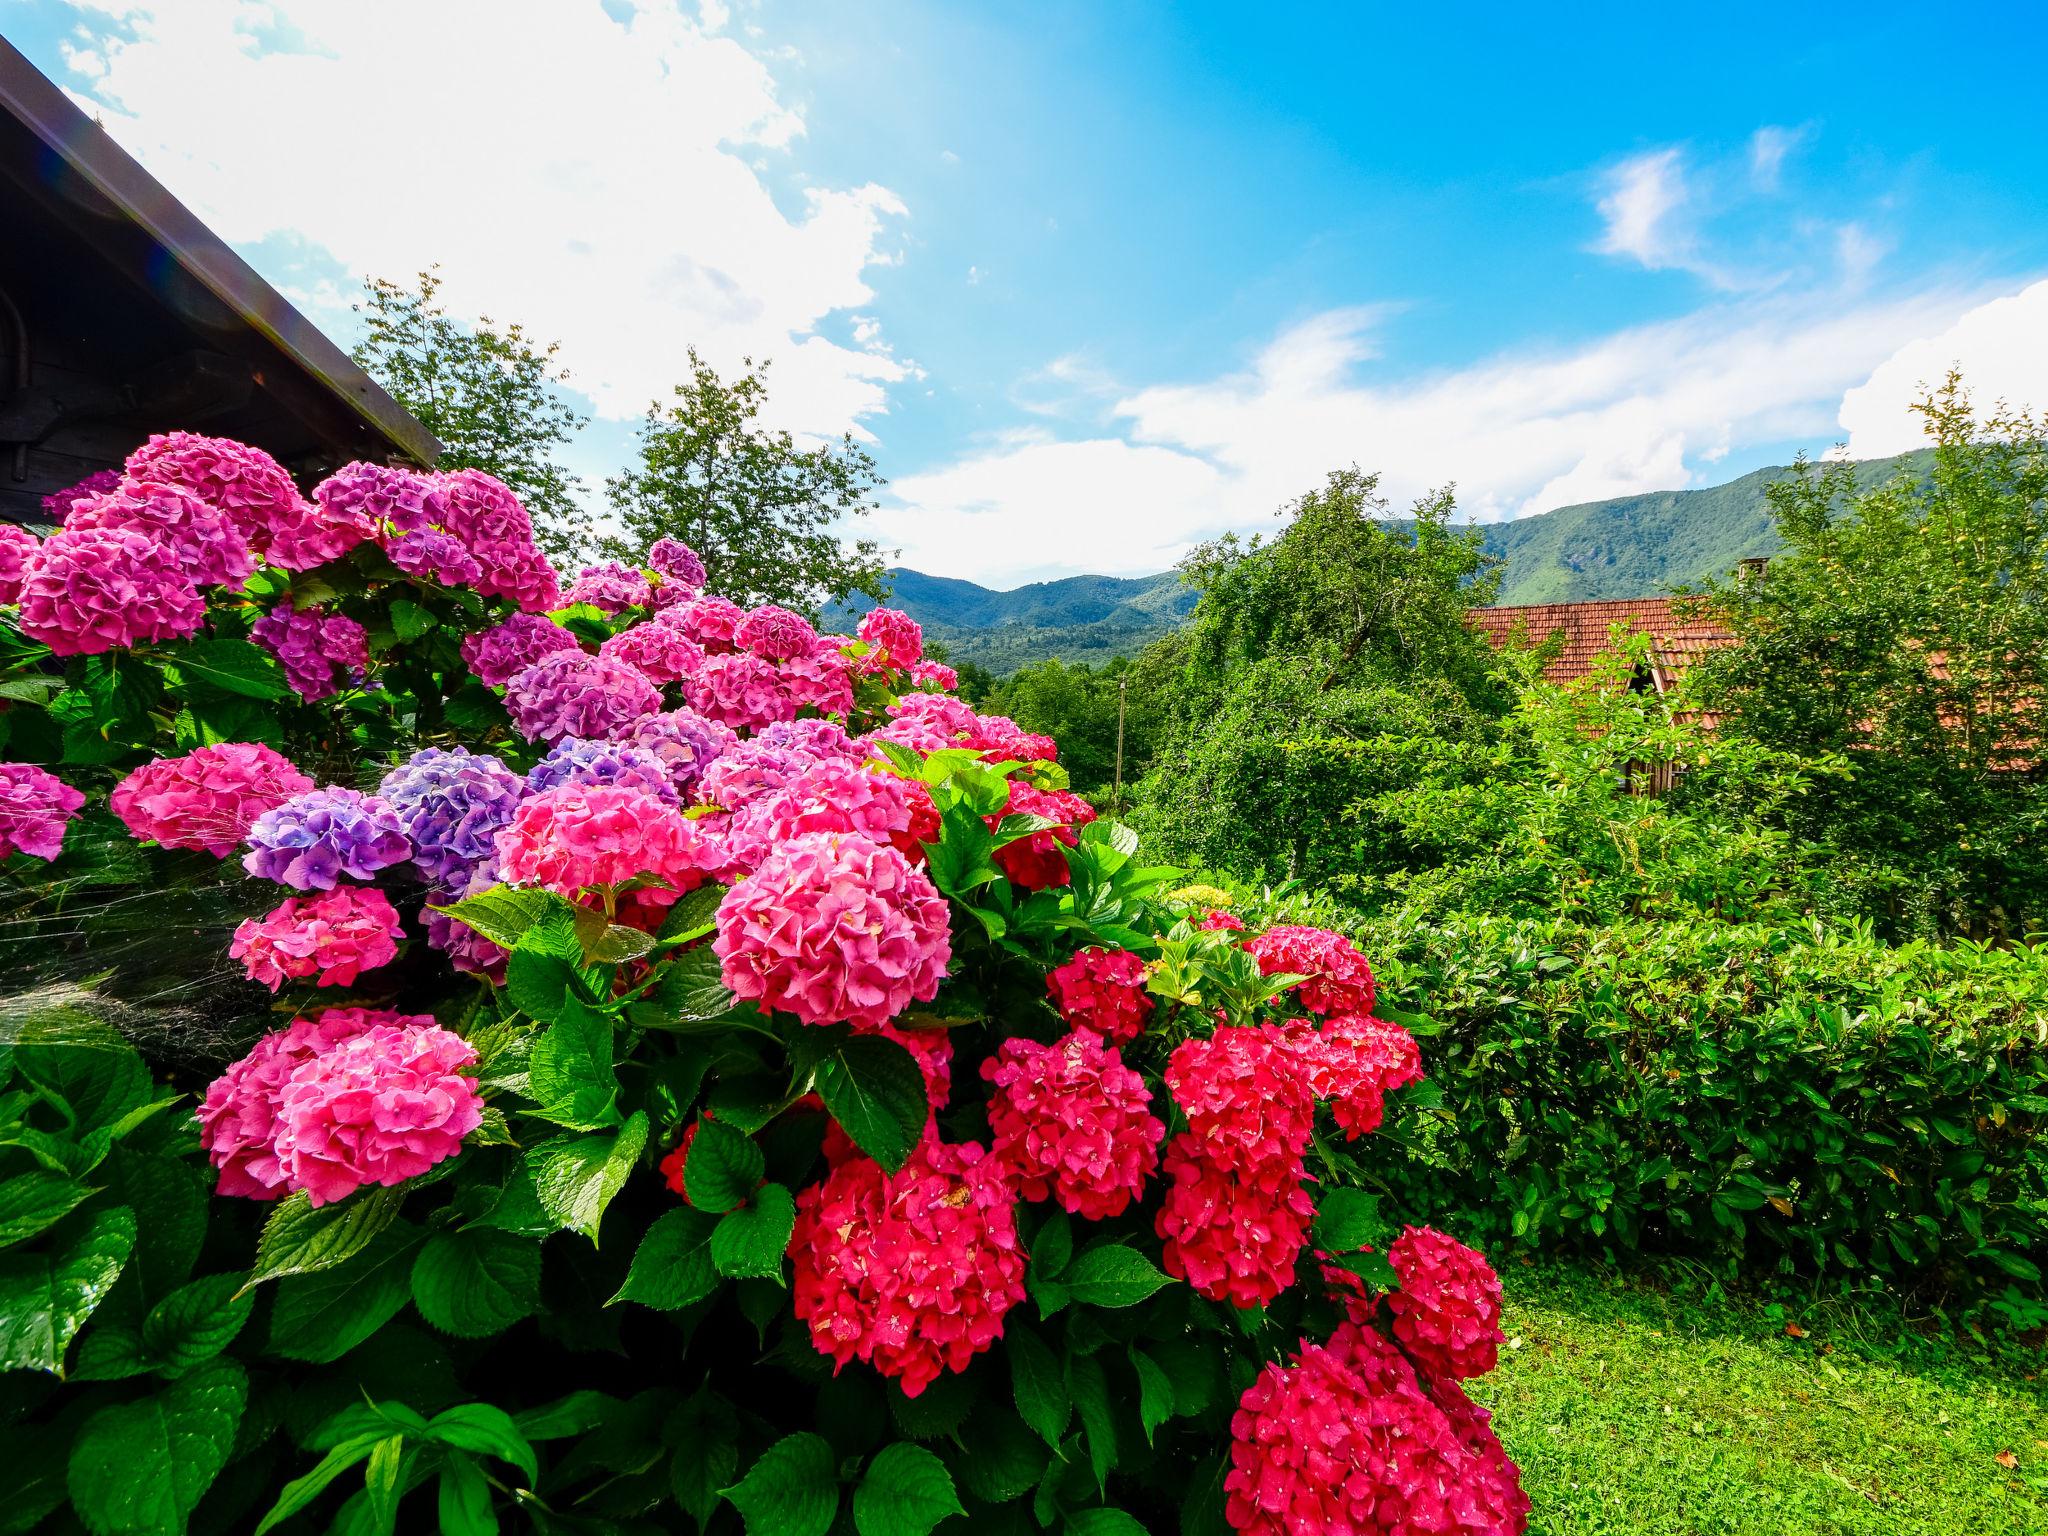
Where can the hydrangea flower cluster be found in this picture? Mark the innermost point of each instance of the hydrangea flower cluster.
(1072, 1122)
(577, 836)
(895, 638)
(202, 540)
(1035, 862)
(708, 620)
(911, 1271)
(313, 647)
(450, 805)
(500, 653)
(17, 547)
(434, 556)
(1338, 980)
(740, 690)
(834, 928)
(676, 564)
(58, 504)
(254, 490)
(775, 634)
(35, 807)
(313, 840)
(576, 761)
(663, 653)
(1447, 1311)
(481, 511)
(612, 586)
(333, 937)
(571, 694)
(238, 1119)
(1102, 990)
(209, 798)
(91, 590)
(831, 795)
(684, 742)
(393, 499)
(1354, 1064)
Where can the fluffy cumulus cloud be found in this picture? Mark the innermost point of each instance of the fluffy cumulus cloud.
(2002, 348)
(620, 175)
(1642, 409)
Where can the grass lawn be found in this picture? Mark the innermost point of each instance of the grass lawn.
(1664, 1407)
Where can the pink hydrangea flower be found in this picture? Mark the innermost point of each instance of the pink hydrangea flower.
(1447, 1311)
(831, 795)
(482, 512)
(1071, 1122)
(1348, 1442)
(897, 640)
(674, 1167)
(253, 489)
(333, 937)
(382, 1107)
(677, 564)
(431, 555)
(500, 653)
(583, 835)
(710, 621)
(739, 690)
(1338, 978)
(35, 807)
(1233, 1231)
(57, 505)
(775, 634)
(313, 647)
(17, 547)
(395, 500)
(612, 586)
(1245, 1096)
(102, 589)
(1220, 922)
(571, 694)
(238, 1120)
(1355, 1063)
(832, 927)
(1102, 990)
(934, 674)
(822, 681)
(913, 1271)
(203, 540)
(208, 798)
(660, 651)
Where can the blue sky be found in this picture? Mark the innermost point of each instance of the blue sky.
(1098, 281)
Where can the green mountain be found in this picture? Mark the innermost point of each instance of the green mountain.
(1630, 546)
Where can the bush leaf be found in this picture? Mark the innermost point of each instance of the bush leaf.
(46, 1297)
(577, 1176)
(793, 1490)
(672, 1267)
(906, 1491)
(1112, 1276)
(749, 1242)
(724, 1167)
(143, 1466)
(476, 1282)
(875, 1089)
(300, 1238)
(195, 1322)
(321, 1316)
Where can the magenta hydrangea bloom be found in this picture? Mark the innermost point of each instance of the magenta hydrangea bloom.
(684, 741)
(572, 694)
(483, 513)
(450, 805)
(897, 639)
(381, 1107)
(35, 807)
(431, 555)
(661, 651)
(57, 505)
(312, 646)
(208, 798)
(1337, 978)
(102, 589)
(834, 928)
(400, 500)
(246, 483)
(17, 548)
(1233, 1232)
(815, 739)
(238, 1119)
(1447, 1311)
(676, 563)
(830, 795)
(1072, 1123)
(500, 653)
(610, 585)
(749, 770)
(1102, 990)
(576, 761)
(822, 681)
(315, 839)
(333, 937)
(775, 634)
(569, 839)
(741, 691)
(204, 540)
(708, 620)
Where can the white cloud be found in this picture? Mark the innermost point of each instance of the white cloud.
(1642, 193)
(2002, 348)
(1768, 147)
(1520, 432)
(593, 179)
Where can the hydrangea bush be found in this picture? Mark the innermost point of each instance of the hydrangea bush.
(700, 1075)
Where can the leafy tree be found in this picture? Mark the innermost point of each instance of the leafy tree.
(1078, 705)
(1907, 631)
(490, 394)
(763, 513)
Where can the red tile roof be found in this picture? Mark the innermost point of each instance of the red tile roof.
(1680, 631)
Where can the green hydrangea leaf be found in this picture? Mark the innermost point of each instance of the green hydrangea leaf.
(577, 1176)
(905, 1492)
(46, 1295)
(301, 1238)
(195, 1323)
(476, 1282)
(724, 1167)
(750, 1241)
(792, 1490)
(1113, 1276)
(672, 1266)
(875, 1089)
(140, 1468)
(323, 1315)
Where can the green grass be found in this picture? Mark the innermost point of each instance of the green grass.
(1671, 1410)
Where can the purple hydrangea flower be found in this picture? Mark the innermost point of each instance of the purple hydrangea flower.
(676, 563)
(661, 651)
(310, 645)
(611, 586)
(57, 505)
(312, 840)
(435, 556)
(816, 738)
(750, 770)
(576, 761)
(384, 493)
(466, 949)
(571, 694)
(684, 741)
(450, 805)
(501, 653)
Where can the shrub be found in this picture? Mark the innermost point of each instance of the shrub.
(707, 1138)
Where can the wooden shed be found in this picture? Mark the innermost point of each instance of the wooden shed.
(121, 314)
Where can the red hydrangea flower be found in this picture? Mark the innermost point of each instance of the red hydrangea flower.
(1221, 922)
(896, 638)
(1447, 1311)
(1495, 1479)
(1245, 1095)
(35, 807)
(911, 1271)
(1354, 1064)
(333, 937)
(1102, 990)
(1034, 863)
(1348, 1442)
(583, 835)
(1338, 979)
(1073, 1123)
(208, 798)
(1232, 1231)
(678, 1159)
(102, 589)
(203, 540)
(832, 927)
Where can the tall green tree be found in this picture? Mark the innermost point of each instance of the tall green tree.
(765, 514)
(1907, 631)
(490, 393)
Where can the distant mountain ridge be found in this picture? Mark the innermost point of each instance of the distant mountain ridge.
(1626, 546)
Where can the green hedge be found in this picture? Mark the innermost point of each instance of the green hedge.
(1806, 1102)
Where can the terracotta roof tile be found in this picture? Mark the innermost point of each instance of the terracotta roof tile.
(1680, 631)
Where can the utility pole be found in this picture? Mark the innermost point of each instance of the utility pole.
(1123, 686)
